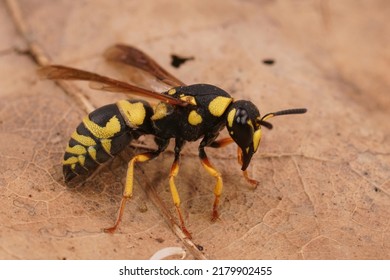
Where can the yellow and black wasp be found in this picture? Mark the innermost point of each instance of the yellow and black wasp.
(184, 112)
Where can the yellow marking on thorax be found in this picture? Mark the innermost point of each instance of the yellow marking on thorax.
(188, 98)
(76, 150)
(194, 118)
(230, 117)
(160, 111)
(172, 91)
(112, 127)
(133, 113)
(84, 140)
(219, 104)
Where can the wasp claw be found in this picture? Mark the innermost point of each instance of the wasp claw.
(186, 232)
(110, 230)
(215, 215)
(251, 181)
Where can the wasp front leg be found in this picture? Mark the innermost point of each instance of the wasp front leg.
(175, 194)
(226, 141)
(251, 181)
(128, 190)
(221, 142)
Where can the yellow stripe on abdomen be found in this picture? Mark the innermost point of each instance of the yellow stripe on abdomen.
(84, 140)
(112, 127)
(76, 150)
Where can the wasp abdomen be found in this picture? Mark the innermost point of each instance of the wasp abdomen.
(100, 136)
(103, 134)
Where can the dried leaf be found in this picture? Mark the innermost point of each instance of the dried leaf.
(324, 188)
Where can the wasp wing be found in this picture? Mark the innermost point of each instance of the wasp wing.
(132, 56)
(59, 72)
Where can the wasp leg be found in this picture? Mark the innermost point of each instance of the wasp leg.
(226, 141)
(128, 191)
(213, 172)
(221, 142)
(175, 194)
(251, 181)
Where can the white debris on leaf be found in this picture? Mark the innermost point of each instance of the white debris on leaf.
(168, 252)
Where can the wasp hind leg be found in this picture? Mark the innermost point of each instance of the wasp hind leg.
(128, 190)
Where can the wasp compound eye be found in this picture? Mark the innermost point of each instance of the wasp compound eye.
(240, 129)
(241, 116)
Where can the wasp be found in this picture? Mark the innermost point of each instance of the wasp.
(185, 113)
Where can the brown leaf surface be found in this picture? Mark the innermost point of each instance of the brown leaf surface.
(325, 176)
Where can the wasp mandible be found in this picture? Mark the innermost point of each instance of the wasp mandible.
(185, 113)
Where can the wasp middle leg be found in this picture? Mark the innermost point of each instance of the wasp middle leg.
(175, 194)
(207, 141)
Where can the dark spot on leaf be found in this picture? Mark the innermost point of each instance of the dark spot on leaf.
(268, 61)
(177, 61)
(143, 208)
(200, 247)
(160, 240)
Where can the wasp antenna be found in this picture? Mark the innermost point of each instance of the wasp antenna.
(283, 112)
(290, 111)
(266, 124)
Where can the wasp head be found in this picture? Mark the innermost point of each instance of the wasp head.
(244, 126)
